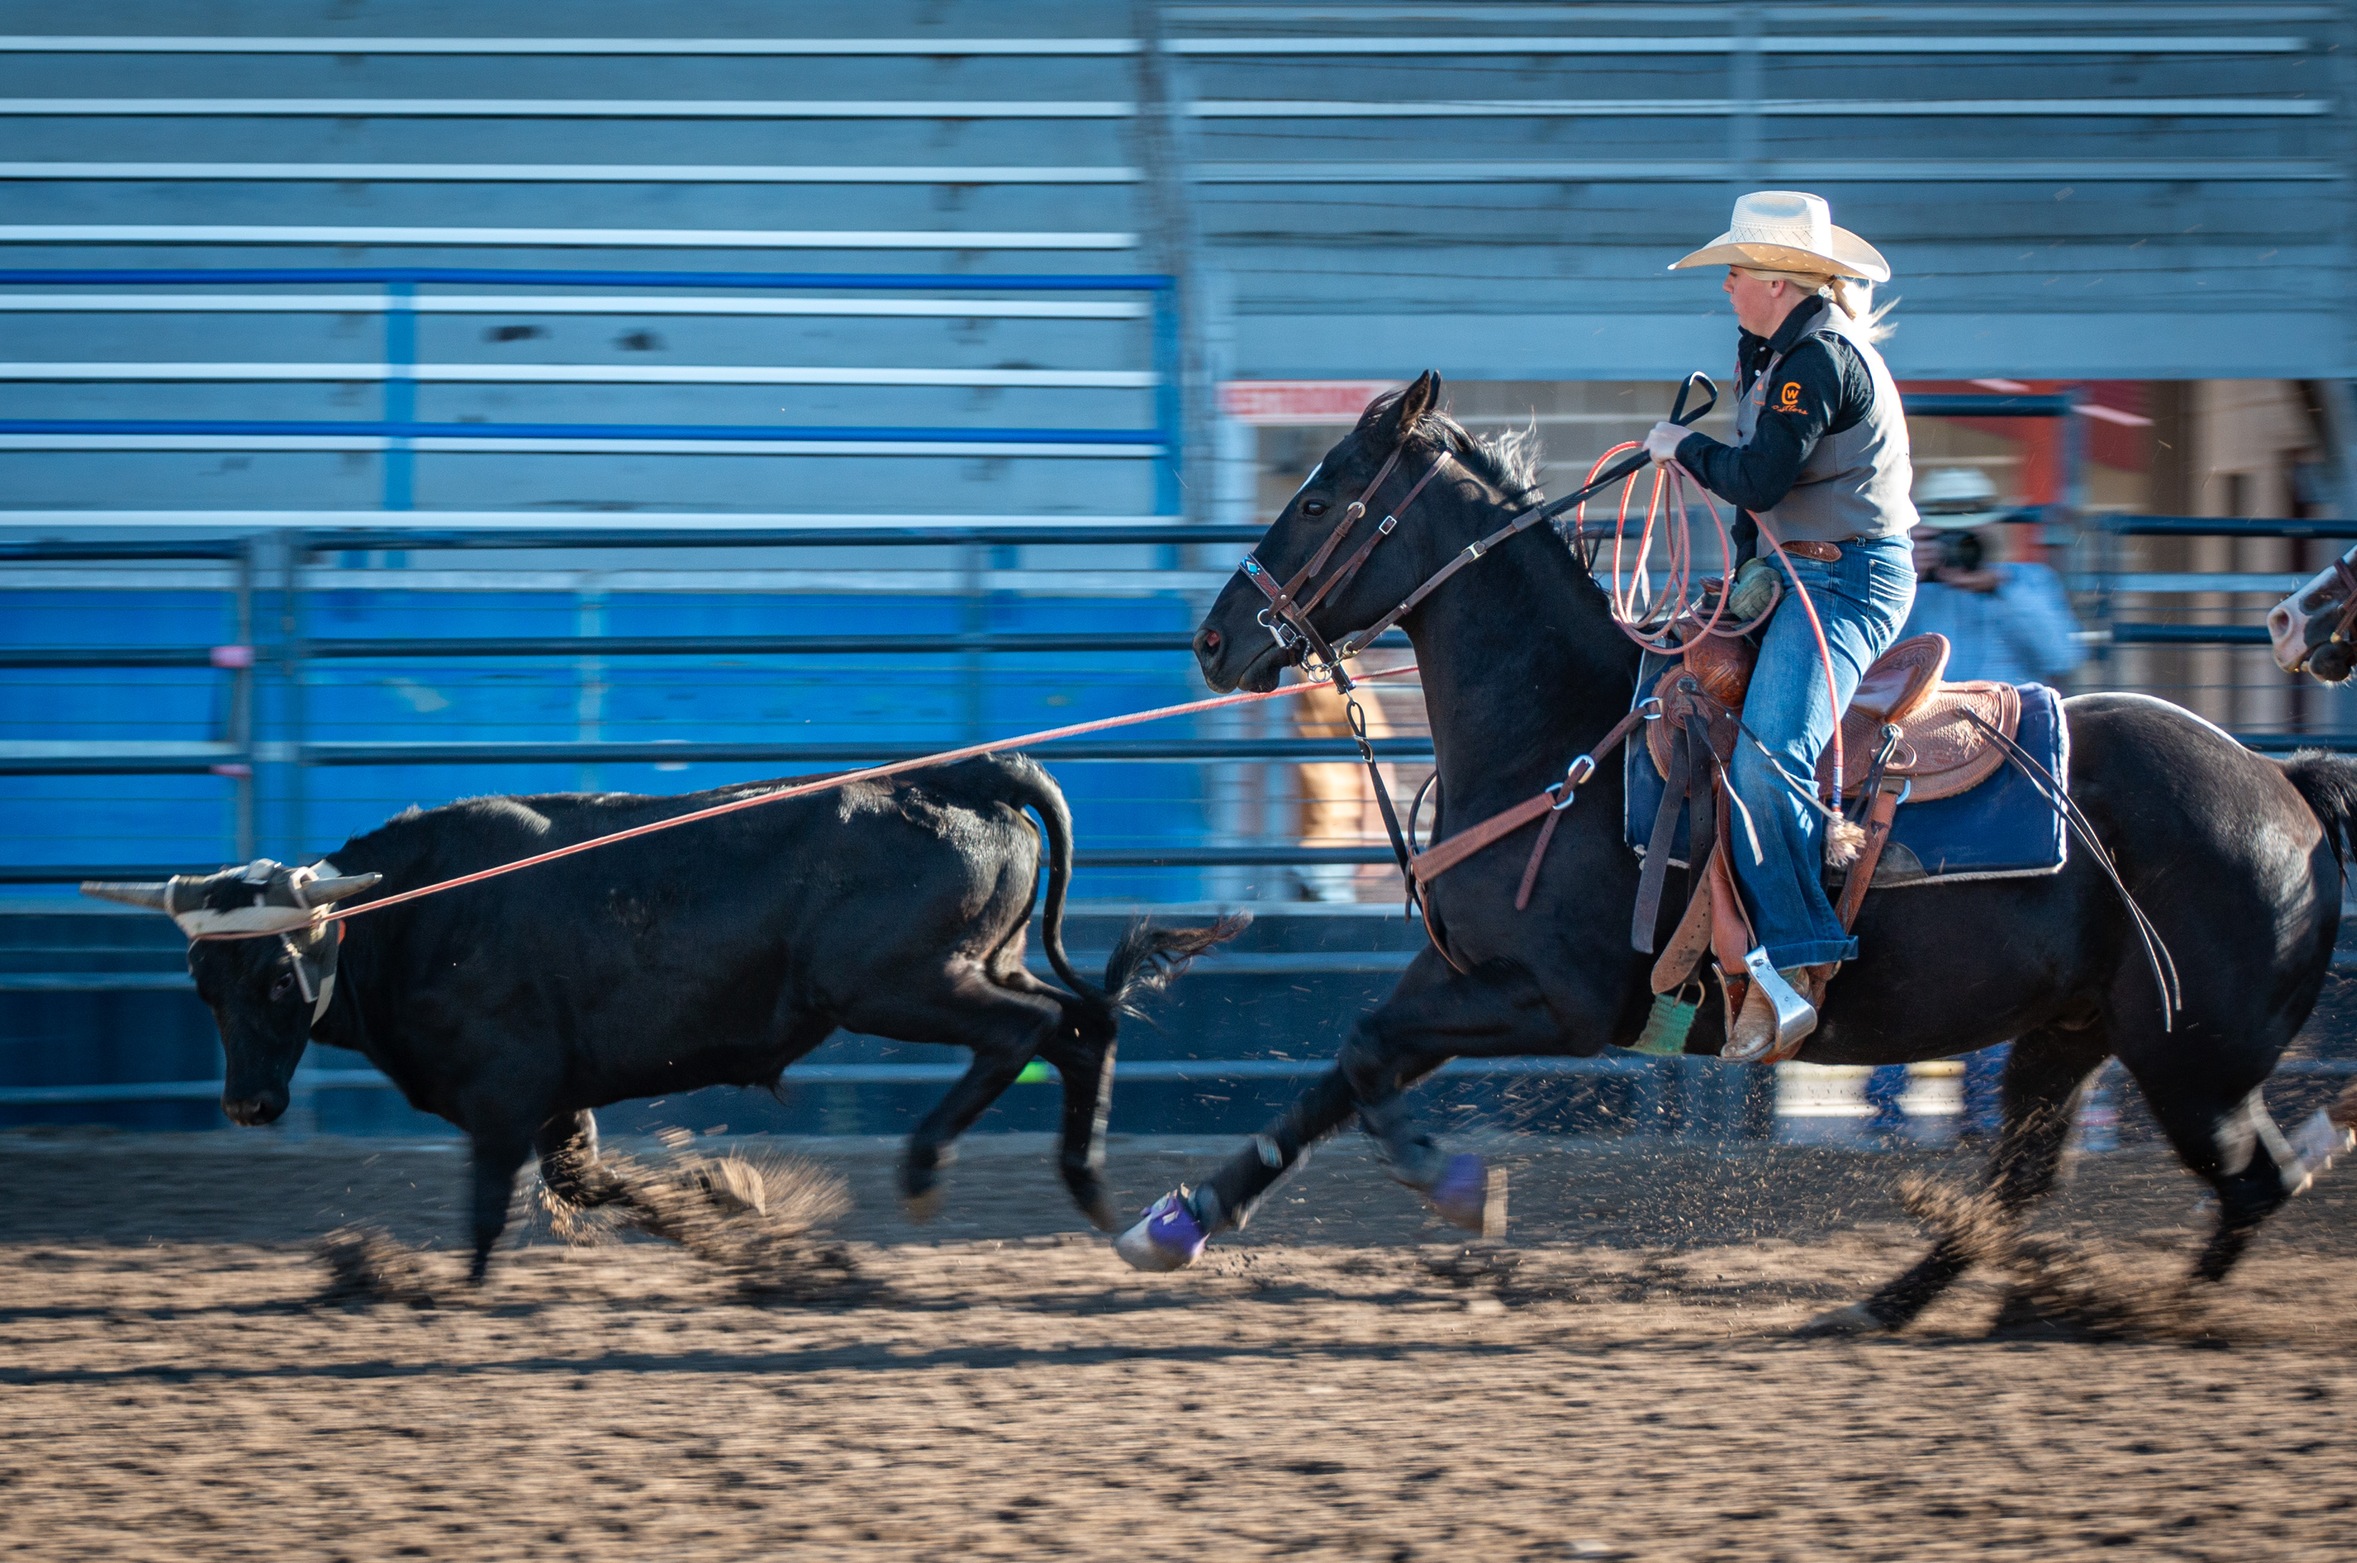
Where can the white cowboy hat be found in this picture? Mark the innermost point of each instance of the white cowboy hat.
(1954, 499)
(1789, 230)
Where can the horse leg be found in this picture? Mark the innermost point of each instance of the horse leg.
(2233, 1145)
(1401, 1043)
(1434, 1014)
(2044, 1072)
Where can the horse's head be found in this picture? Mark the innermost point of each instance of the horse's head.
(1244, 641)
(2310, 628)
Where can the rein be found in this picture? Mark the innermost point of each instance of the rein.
(1287, 620)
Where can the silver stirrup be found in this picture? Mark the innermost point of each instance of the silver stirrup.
(1795, 1016)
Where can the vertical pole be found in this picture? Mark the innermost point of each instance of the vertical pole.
(241, 706)
(974, 621)
(400, 396)
(1161, 129)
(589, 708)
(1169, 375)
(291, 655)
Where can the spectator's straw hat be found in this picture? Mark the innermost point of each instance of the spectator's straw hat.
(1955, 499)
(1790, 230)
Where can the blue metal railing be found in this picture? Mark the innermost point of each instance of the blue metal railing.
(399, 430)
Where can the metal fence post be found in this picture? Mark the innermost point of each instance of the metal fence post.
(589, 701)
(400, 395)
(241, 705)
(1169, 373)
(292, 663)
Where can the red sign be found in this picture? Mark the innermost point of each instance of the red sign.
(1279, 402)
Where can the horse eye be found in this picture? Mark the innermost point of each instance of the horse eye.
(283, 986)
(1313, 507)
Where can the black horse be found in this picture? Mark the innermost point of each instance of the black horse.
(2237, 859)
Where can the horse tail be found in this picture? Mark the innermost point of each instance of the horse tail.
(1145, 959)
(2329, 784)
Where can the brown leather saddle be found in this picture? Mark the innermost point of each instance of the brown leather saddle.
(1941, 750)
(1926, 734)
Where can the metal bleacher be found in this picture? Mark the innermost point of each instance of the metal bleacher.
(401, 403)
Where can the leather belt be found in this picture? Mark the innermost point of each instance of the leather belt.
(1823, 553)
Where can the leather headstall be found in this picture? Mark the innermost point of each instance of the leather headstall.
(1286, 618)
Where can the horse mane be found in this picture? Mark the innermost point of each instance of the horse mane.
(1507, 461)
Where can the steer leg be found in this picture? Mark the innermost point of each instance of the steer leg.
(569, 1164)
(1086, 1066)
(1006, 1028)
(498, 1157)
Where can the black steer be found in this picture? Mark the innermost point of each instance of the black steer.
(712, 955)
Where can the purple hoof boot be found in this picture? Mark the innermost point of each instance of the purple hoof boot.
(1167, 1237)
(1470, 1195)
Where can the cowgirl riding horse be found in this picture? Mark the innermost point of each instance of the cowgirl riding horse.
(1410, 520)
(1821, 467)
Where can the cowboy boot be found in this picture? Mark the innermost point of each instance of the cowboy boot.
(1779, 1011)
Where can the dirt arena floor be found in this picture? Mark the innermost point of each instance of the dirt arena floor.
(1618, 1381)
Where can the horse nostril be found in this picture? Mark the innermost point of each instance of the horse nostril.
(1207, 641)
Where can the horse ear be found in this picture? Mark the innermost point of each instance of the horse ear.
(1420, 396)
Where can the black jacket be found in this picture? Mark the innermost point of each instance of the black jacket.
(1821, 388)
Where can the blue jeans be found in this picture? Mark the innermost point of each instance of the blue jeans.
(1862, 599)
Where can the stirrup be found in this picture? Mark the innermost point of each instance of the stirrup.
(1795, 1016)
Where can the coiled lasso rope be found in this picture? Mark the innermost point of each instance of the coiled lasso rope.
(1668, 621)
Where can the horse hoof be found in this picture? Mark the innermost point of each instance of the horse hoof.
(921, 1208)
(1470, 1193)
(1166, 1237)
(1856, 1319)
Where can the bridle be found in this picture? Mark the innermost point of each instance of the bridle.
(1287, 616)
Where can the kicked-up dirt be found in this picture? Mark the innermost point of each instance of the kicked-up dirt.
(183, 1374)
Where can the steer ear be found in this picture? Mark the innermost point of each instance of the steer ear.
(327, 892)
(156, 896)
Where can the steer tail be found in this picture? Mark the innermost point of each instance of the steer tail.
(2329, 784)
(1035, 789)
(1146, 958)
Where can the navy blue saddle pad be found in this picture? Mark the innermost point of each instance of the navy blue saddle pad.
(1999, 830)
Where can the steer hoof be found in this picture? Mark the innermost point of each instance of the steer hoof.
(1167, 1237)
(1470, 1193)
(1856, 1319)
(922, 1206)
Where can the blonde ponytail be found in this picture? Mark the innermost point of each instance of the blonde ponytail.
(1851, 295)
(1855, 299)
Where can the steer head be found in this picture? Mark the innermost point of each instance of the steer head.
(2311, 629)
(264, 958)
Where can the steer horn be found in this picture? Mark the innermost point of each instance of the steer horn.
(328, 891)
(155, 896)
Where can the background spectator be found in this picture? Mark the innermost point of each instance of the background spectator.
(2007, 620)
